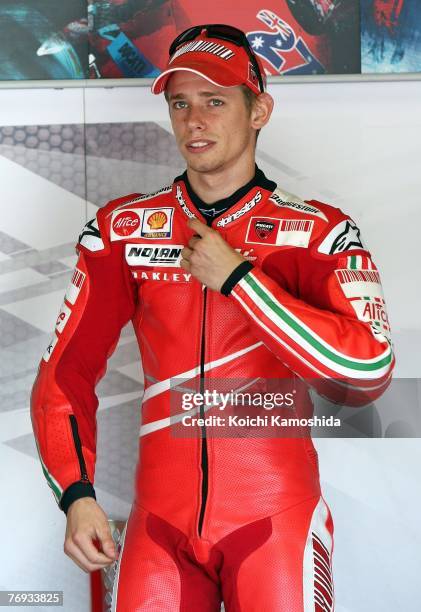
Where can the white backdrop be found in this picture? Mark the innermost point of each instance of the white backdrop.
(354, 145)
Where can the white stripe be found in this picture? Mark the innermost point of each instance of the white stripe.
(165, 385)
(318, 526)
(325, 582)
(117, 576)
(325, 569)
(142, 198)
(167, 421)
(289, 331)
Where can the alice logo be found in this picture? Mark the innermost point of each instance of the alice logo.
(157, 220)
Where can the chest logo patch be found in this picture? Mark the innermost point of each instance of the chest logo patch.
(279, 232)
(157, 223)
(153, 255)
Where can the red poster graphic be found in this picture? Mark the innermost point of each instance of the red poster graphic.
(130, 38)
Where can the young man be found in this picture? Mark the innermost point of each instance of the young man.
(224, 275)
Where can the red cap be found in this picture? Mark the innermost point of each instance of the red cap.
(221, 62)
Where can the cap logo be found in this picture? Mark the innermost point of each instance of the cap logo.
(204, 46)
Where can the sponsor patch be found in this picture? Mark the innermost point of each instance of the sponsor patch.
(240, 212)
(90, 237)
(63, 317)
(345, 236)
(50, 348)
(173, 277)
(75, 286)
(287, 200)
(365, 294)
(279, 232)
(125, 224)
(157, 223)
(263, 230)
(153, 255)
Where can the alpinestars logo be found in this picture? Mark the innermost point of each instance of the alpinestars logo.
(345, 236)
(182, 202)
(90, 237)
(242, 211)
(152, 255)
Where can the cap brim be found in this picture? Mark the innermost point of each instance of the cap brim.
(226, 78)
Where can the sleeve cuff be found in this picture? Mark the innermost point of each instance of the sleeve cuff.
(235, 276)
(74, 492)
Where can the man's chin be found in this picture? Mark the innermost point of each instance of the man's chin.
(204, 165)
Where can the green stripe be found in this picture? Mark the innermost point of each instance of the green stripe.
(355, 365)
(353, 264)
(56, 490)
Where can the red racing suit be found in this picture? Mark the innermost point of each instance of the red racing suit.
(235, 518)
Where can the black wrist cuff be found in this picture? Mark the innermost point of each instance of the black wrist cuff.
(74, 492)
(235, 276)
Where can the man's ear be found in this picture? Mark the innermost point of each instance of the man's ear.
(262, 110)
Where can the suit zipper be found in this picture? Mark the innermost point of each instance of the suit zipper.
(78, 446)
(204, 446)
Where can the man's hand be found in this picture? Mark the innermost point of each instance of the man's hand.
(86, 522)
(209, 258)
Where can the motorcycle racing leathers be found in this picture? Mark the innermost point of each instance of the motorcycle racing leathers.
(238, 518)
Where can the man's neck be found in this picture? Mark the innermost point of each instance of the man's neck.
(212, 187)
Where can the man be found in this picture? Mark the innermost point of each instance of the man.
(223, 275)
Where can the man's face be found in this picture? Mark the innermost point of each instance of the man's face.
(211, 124)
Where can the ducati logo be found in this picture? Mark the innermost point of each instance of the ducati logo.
(263, 229)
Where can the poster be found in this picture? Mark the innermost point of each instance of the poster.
(102, 39)
(292, 37)
(390, 36)
(43, 39)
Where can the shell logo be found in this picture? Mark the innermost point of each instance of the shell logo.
(157, 220)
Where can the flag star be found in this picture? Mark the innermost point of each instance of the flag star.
(257, 42)
(278, 42)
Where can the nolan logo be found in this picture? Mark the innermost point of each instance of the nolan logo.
(152, 255)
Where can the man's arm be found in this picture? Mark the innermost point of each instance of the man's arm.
(335, 335)
(99, 301)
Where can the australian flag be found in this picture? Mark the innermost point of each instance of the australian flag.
(282, 48)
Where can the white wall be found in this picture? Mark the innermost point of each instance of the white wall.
(354, 145)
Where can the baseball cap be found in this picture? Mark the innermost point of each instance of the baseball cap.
(219, 53)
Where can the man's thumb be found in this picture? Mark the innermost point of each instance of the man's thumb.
(107, 543)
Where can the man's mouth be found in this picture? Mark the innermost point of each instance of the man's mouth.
(199, 146)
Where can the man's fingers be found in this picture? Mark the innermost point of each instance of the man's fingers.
(199, 227)
(185, 265)
(106, 542)
(92, 554)
(186, 253)
(193, 241)
(76, 553)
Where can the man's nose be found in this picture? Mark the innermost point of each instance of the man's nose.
(196, 118)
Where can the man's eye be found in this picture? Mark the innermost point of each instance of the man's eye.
(216, 102)
(179, 104)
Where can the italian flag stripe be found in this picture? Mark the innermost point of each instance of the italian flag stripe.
(306, 338)
(52, 482)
